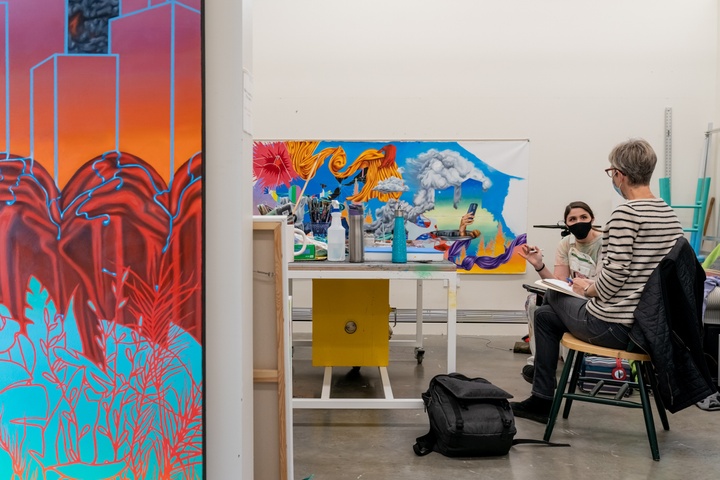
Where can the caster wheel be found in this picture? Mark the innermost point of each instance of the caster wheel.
(419, 355)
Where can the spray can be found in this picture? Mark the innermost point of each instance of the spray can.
(399, 243)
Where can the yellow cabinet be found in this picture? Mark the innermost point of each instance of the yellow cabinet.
(350, 323)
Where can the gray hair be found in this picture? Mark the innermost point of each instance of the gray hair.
(636, 159)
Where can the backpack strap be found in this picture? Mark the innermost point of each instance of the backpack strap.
(517, 441)
(424, 445)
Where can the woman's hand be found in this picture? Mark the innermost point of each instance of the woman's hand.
(532, 254)
(581, 286)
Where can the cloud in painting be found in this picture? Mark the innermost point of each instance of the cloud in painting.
(438, 170)
(385, 216)
(392, 184)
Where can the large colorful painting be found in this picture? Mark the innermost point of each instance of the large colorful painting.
(467, 199)
(101, 174)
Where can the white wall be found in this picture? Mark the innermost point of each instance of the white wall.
(574, 77)
(228, 243)
(714, 226)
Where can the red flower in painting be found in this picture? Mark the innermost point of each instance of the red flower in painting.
(272, 164)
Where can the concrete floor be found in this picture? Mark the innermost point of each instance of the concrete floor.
(606, 442)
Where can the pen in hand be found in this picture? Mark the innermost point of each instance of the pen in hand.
(569, 280)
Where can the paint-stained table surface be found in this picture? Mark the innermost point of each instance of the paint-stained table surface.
(326, 269)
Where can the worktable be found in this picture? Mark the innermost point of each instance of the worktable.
(417, 271)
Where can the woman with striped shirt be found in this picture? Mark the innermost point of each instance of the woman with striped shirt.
(638, 235)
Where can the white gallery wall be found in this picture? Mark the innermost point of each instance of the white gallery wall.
(228, 335)
(573, 77)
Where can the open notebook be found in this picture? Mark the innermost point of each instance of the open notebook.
(559, 286)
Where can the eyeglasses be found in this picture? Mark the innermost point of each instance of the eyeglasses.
(611, 171)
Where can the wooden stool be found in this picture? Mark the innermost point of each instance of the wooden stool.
(644, 373)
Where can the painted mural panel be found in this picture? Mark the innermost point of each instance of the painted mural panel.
(436, 185)
(101, 177)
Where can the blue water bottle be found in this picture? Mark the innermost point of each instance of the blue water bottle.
(399, 243)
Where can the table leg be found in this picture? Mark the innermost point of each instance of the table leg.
(387, 389)
(452, 323)
(327, 382)
(419, 315)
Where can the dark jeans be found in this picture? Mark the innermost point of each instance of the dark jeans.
(562, 313)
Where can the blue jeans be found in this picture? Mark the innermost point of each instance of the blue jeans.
(562, 313)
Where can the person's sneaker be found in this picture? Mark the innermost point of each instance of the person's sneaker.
(528, 373)
(533, 408)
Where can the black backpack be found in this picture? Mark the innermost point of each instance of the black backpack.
(469, 417)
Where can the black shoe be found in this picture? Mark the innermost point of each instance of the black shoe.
(528, 373)
(534, 408)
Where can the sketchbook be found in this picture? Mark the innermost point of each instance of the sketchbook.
(558, 286)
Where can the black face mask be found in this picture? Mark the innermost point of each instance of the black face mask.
(580, 229)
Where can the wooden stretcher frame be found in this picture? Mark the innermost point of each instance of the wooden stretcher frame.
(272, 385)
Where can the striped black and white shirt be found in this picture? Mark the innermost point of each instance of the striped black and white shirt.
(637, 237)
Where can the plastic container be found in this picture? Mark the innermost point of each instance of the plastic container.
(356, 249)
(399, 242)
(336, 236)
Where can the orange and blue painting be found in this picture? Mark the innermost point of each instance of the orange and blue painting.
(101, 240)
(467, 199)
